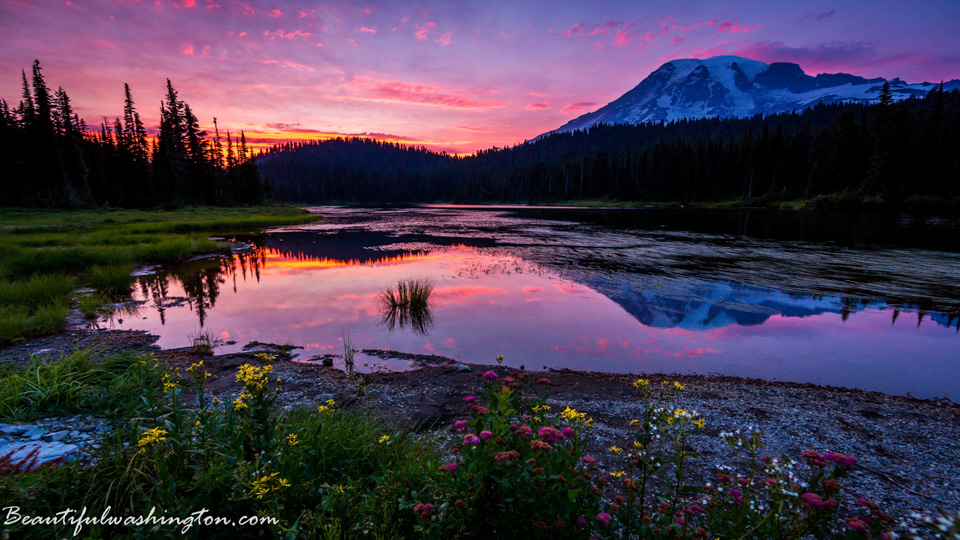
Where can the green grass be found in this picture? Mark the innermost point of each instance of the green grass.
(45, 255)
(81, 382)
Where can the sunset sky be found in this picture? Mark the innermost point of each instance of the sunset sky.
(455, 76)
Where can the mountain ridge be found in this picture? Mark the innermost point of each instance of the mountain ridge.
(733, 86)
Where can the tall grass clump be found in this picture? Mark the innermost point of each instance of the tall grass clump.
(37, 291)
(17, 323)
(111, 280)
(81, 382)
(204, 342)
(407, 305)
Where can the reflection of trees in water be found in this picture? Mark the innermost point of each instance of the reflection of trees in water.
(200, 281)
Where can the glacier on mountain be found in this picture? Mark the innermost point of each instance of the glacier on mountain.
(731, 86)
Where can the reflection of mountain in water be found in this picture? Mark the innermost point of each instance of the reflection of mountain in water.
(701, 305)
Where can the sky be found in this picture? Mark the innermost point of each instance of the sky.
(453, 76)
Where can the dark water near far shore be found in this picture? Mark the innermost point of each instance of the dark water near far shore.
(869, 301)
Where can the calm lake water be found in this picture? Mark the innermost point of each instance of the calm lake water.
(865, 301)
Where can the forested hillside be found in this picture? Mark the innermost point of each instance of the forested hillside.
(888, 152)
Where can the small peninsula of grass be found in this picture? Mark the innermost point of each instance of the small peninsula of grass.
(45, 255)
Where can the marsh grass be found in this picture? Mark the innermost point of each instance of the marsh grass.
(112, 280)
(92, 304)
(81, 382)
(45, 254)
(204, 342)
(407, 305)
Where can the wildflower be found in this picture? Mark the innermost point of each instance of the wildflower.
(641, 383)
(830, 505)
(423, 511)
(831, 484)
(589, 459)
(677, 385)
(324, 409)
(812, 499)
(216, 401)
(637, 444)
(700, 422)
(543, 381)
(616, 449)
(604, 518)
(582, 521)
(240, 403)
(634, 422)
(283, 483)
(618, 474)
(449, 467)
(524, 431)
(292, 439)
(460, 425)
(151, 436)
(857, 525)
(506, 456)
(537, 444)
(572, 416)
(471, 439)
(384, 439)
(539, 408)
(841, 460)
(485, 434)
(550, 434)
(470, 399)
(567, 432)
(331, 403)
(869, 504)
(490, 376)
(254, 378)
(482, 411)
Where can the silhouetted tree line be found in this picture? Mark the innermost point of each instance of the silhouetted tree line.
(887, 152)
(49, 157)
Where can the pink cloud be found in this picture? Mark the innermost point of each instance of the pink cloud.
(444, 39)
(422, 32)
(540, 106)
(578, 107)
(186, 48)
(425, 95)
(275, 13)
(367, 30)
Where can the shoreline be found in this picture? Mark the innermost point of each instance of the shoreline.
(909, 448)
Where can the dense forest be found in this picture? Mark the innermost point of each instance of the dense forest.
(50, 158)
(888, 152)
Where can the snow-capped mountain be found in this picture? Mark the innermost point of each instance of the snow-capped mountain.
(731, 86)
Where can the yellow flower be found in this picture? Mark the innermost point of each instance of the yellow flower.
(283, 483)
(152, 436)
(197, 424)
(616, 449)
(680, 412)
(216, 401)
(637, 445)
(700, 423)
(539, 408)
(589, 422)
(323, 409)
(574, 417)
(240, 403)
(254, 378)
(384, 439)
(618, 474)
(634, 422)
(641, 383)
(331, 403)
(292, 439)
(677, 385)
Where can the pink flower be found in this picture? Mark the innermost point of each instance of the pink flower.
(604, 518)
(857, 525)
(537, 444)
(482, 411)
(470, 399)
(450, 467)
(736, 492)
(550, 434)
(581, 521)
(869, 504)
(812, 499)
(524, 431)
(506, 456)
(567, 432)
(460, 425)
(471, 439)
(490, 376)
(680, 521)
(508, 381)
(589, 459)
(841, 460)
(486, 435)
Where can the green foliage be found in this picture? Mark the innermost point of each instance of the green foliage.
(45, 254)
(82, 382)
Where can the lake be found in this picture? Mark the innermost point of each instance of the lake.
(867, 301)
